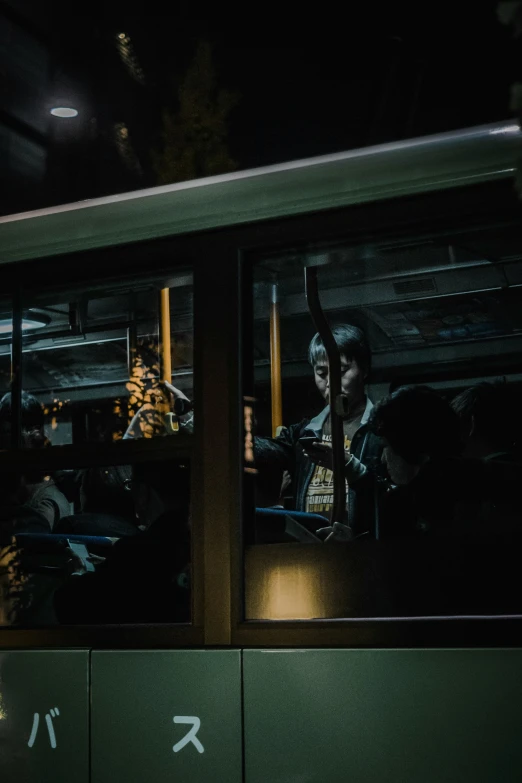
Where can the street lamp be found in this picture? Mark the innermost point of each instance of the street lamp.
(64, 111)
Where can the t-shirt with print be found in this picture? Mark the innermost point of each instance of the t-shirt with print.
(319, 497)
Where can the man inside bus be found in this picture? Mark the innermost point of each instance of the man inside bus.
(311, 465)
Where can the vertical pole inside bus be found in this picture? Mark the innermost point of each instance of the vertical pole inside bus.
(275, 360)
(165, 350)
(166, 360)
(334, 371)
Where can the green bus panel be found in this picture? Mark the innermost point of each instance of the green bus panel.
(392, 716)
(166, 716)
(44, 716)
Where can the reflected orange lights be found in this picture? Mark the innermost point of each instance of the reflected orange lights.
(12, 583)
(249, 440)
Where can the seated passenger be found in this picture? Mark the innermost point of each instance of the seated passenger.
(37, 491)
(107, 508)
(420, 433)
(15, 516)
(491, 423)
(311, 473)
(448, 569)
(146, 578)
(422, 447)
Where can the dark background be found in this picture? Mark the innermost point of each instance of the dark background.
(310, 85)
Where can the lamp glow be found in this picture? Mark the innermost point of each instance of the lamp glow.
(64, 111)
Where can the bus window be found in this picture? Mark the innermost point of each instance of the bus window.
(104, 365)
(6, 330)
(98, 545)
(386, 429)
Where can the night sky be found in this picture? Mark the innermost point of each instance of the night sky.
(309, 85)
(416, 69)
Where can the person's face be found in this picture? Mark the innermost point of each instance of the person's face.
(400, 471)
(352, 379)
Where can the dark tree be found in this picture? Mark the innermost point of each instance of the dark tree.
(195, 132)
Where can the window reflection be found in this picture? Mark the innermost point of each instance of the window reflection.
(110, 366)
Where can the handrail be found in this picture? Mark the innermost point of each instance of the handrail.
(275, 360)
(166, 357)
(336, 422)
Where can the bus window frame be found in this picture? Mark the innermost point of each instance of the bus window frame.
(445, 209)
(220, 260)
(118, 453)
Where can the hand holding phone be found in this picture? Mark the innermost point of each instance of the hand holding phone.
(308, 440)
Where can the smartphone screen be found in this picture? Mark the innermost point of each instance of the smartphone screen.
(309, 441)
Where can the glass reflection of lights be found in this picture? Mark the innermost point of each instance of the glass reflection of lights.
(505, 129)
(64, 111)
(30, 321)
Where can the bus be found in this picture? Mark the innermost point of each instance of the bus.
(175, 598)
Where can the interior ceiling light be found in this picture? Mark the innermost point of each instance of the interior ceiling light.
(64, 111)
(30, 321)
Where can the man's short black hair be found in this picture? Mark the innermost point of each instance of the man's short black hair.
(352, 343)
(32, 411)
(270, 460)
(495, 412)
(416, 421)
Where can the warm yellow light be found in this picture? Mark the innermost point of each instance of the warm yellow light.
(121, 36)
(290, 593)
